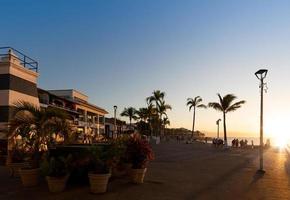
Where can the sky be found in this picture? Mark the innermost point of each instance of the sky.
(119, 51)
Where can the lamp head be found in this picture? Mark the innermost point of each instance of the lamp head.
(115, 107)
(261, 74)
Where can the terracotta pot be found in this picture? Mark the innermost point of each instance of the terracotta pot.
(29, 177)
(99, 182)
(15, 167)
(137, 175)
(56, 184)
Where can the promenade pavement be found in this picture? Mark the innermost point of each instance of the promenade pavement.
(182, 171)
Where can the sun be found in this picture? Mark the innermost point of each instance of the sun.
(281, 143)
(278, 131)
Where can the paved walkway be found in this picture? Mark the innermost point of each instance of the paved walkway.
(181, 171)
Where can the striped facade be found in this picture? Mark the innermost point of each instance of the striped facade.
(17, 83)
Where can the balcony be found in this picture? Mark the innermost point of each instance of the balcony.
(86, 124)
(12, 55)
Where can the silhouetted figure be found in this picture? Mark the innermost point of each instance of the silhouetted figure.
(268, 144)
(242, 143)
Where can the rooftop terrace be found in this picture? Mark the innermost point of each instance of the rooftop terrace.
(9, 53)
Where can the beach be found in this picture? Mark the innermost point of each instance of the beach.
(182, 171)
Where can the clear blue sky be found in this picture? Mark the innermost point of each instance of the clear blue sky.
(119, 51)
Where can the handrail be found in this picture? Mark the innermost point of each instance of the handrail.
(25, 60)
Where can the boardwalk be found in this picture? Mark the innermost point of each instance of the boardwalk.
(182, 171)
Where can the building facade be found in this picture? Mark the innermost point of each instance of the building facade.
(110, 131)
(18, 82)
(90, 121)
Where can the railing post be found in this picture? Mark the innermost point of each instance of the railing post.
(24, 61)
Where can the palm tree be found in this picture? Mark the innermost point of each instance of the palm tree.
(142, 114)
(157, 97)
(226, 105)
(194, 103)
(165, 122)
(151, 113)
(131, 113)
(162, 109)
(37, 125)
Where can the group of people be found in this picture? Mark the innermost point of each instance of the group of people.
(241, 143)
(217, 142)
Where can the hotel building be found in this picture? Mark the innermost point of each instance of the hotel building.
(18, 82)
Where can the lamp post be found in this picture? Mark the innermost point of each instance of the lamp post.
(261, 75)
(218, 127)
(115, 120)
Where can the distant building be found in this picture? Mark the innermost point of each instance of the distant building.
(110, 127)
(91, 118)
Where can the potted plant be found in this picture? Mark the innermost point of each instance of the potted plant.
(35, 126)
(140, 153)
(120, 163)
(100, 169)
(16, 161)
(57, 170)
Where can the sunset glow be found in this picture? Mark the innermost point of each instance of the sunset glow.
(278, 130)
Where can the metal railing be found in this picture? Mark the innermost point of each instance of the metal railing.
(25, 61)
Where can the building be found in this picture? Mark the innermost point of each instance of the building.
(121, 127)
(91, 118)
(18, 82)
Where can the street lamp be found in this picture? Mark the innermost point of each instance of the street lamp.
(261, 75)
(218, 127)
(115, 120)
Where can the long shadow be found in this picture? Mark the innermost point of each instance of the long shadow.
(223, 178)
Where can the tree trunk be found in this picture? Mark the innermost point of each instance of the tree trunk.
(225, 130)
(130, 123)
(160, 127)
(193, 122)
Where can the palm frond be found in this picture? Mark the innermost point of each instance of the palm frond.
(227, 100)
(202, 106)
(235, 106)
(28, 108)
(215, 106)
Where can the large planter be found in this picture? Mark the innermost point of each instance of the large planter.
(137, 175)
(56, 184)
(99, 182)
(29, 177)
(15, 167)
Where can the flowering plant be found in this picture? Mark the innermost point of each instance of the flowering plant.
(139, 152)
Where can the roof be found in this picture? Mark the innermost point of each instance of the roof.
(112, 121)
(92, 106)
(76, 101)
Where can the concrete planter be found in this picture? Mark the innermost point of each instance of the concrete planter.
(29, 177)
(99, 182)
(137, 175)
(56, 184)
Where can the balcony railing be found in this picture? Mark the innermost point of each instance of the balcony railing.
(87, 124)
(9, 53)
